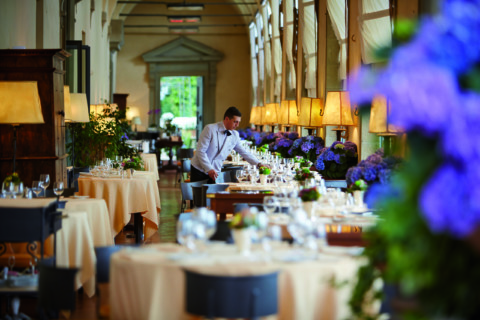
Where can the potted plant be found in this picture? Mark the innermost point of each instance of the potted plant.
(309, 198)
(241, 225)
(132, 164)
(425, 243)
(264, 172)
(302, 175)
(308, 147)
(358, 190)
(334, 161)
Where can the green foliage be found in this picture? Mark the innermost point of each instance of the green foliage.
(182, 94)
(303, 174)
(133, 163)
(100, 138)
(264, 170)
(441, 272)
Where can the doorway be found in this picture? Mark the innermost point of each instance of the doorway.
(181, 105)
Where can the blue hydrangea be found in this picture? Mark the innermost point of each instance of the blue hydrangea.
(329, 156)
(307, 146)
(320, 165)
(336, 158)
(293, 135)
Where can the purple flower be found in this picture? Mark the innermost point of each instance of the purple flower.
(320, 165)
(452, 207)
(124, 136)
(307, 146)
(337, 158)
(329, 156)
(354, 174)
(374, 158)
(293, 135)
(370, 173)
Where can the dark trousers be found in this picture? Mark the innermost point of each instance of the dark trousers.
(197, 175)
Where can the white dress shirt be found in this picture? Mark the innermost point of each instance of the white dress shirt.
(214, 146)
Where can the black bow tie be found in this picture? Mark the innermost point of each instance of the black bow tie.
(228, 133)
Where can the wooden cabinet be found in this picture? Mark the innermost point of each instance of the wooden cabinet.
(40, 147)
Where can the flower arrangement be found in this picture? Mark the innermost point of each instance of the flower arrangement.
(374, 169)
(264, 170)
(298, 159)
(359, 185)
(309, 194)
(12, 177)
(308, 147)
(334, 161)
(303, 174)
(283, 142)
(243, 219)
(427, 242)
(263, 148)
(133, 163)
(306, 164)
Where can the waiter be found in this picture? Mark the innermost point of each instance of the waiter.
(214, 145)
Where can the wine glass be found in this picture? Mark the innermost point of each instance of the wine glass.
(239, 174)
(270, 204)
(7, 189)
(37, 188)
(209, 219)
(45, 179)
(58, 189)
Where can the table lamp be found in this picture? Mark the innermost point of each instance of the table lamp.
(253, 115)
(311, 113)
(380, 122)
(136, 121)
(338, 111)
(19, 104)
(271, 113)
(259, 117)
(288, 114)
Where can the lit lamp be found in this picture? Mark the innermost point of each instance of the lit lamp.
(271, 117)
(136, 121)
(311, 113)
(338, 112)
(253, 115)
(19, 104)
(288, 114)
(76, 110)
(380, 124)
(259, 117)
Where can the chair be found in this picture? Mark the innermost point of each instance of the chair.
(232, 170)
(184, 154)
(211, 188)
(56, 289)
(223, 177)
(188, 193)
(103, 278)
(231, 297)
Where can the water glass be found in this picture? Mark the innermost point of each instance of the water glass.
(58, 188)
(45, 180)
(270, 204)
(37, 188)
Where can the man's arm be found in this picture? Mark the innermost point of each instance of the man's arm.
(202, 147)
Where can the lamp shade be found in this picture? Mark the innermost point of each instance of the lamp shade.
(253, 115)
(20, 102)
(379, 116)
(262, 112)
(288, 113)
(271, 114)
(311, 111)
(337, 109)
(78, 108)
(136, 120)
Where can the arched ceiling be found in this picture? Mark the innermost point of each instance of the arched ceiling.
(218, 17)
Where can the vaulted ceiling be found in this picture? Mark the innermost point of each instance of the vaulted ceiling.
(218, 17)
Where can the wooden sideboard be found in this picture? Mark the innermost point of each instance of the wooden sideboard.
(40, 147)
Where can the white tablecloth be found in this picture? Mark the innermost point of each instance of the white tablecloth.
(151, 163)
(149, 283)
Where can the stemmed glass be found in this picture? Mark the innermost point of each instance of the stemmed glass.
(45, 180)
(209, 219)
(37, 188)
(240, 175)
(270, 204)
(58, 189)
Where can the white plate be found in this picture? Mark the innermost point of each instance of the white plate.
(81, 197)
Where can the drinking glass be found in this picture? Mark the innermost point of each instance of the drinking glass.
(45, 180)
(270, 204)
(58, 189)
(209, 220)
(7, 189)
(239, 174)
(37, 188)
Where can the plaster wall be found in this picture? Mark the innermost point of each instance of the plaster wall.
(233, 73)
(17, 23)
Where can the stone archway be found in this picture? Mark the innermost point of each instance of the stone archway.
(184, 57)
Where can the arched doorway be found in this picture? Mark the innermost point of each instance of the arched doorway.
(184, 57)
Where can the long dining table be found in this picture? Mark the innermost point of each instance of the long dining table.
(138, 196)
(149, 282)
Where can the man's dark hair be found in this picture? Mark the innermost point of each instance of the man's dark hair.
(231, 112)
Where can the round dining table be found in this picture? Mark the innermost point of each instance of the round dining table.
(124, 197)
(149, 282)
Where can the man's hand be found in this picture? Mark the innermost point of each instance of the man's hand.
(213, 174)
(263, 165)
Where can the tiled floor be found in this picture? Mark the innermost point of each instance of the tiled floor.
(170, 197)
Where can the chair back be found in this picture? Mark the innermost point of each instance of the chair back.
(186, 166)
(103, 262)
(232, 170)
(223, 177)
(56, 288)
(185, 153)
(198, 198)
(231, 297)
(212, 188)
